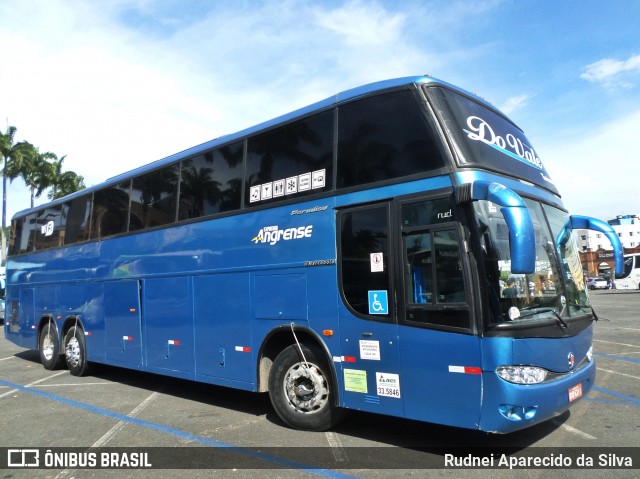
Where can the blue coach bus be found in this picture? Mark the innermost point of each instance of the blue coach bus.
(398, 248)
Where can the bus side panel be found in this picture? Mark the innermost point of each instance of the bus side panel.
(122, 323)
(281, 296)
(86, 302)
(222, 308)
(442, 380)
(168, 325)
(21, 330)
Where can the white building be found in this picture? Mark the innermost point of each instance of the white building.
(627, 227)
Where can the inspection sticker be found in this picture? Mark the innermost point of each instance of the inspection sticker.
(370, 350)
(355, 380)
(388, 385)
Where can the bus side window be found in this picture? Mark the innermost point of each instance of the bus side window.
(363, 232)
(77, 228)
(290, 153)
(50, 223)
(448, 267)
(419, 254)
(153, 198)
(110, 211)
(384, 137)
(211, 183)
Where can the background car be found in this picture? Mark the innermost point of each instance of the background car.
(597, 283)
(1, 311)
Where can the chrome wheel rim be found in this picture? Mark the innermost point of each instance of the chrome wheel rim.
(72, 352)
(47, 347)
(306, 388)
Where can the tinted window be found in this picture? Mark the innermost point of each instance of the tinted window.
(49, 224)
(23, 234)
(291, 160)
(488, 140)
(110, 211)
(364, 232)
(427, 212)
(78, 213)
(448, 267)
(153, 198)
(384, 137)
(211, 183)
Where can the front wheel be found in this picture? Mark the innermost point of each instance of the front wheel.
(302, 392)
(49, 347)
(75, 352)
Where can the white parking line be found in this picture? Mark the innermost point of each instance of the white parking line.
(113, 431)
(338, 451)
(8, 393)
(10, 357)
(616, 372)
(73, 384)
(619, 344)
(573, 430)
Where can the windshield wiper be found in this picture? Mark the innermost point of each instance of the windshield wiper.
(545, 310)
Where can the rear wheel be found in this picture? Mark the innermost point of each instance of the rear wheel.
(75, 352)
(302, 392)
(49, 347)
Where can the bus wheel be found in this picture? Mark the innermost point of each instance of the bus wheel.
(75, 352)
(301, 393)
(49, 347)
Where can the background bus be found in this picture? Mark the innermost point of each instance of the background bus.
(349, 255)
(630, 277)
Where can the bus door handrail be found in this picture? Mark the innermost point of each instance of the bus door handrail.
(522, 241)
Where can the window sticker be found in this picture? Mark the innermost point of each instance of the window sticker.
(254, 194)
(304, 182)
(377, 263)
(278, 188)
(370, 350)
(289, 186)
(267, 191)
(378, 302)
(355, 380)
(319, 178)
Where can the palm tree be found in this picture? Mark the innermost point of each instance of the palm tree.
(33, 167)
(63, 183)
(10, 153)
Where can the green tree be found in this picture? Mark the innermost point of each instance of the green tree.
(33, 167)
(10, 153)
(63, 183)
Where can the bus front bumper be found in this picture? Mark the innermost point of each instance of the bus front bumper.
(508, 407)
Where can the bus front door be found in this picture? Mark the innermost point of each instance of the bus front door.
(440, 357)
(368, 329)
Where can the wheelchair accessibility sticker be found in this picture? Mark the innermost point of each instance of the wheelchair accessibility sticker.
(378, 303)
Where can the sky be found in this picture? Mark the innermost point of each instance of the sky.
(116, 84)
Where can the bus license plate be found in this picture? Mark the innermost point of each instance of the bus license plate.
(575, 392)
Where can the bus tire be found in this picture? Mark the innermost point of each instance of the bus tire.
(303, 397)
(75, 352)
(49, 347)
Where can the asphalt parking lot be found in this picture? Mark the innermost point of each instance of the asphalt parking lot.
(239, 432)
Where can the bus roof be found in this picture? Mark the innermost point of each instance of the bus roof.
(330, 102)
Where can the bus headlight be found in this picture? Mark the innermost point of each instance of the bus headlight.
(522, 374)
(590, 354)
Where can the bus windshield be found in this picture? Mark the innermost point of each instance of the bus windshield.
(555, 289)
(628, 267)
(485, 139)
